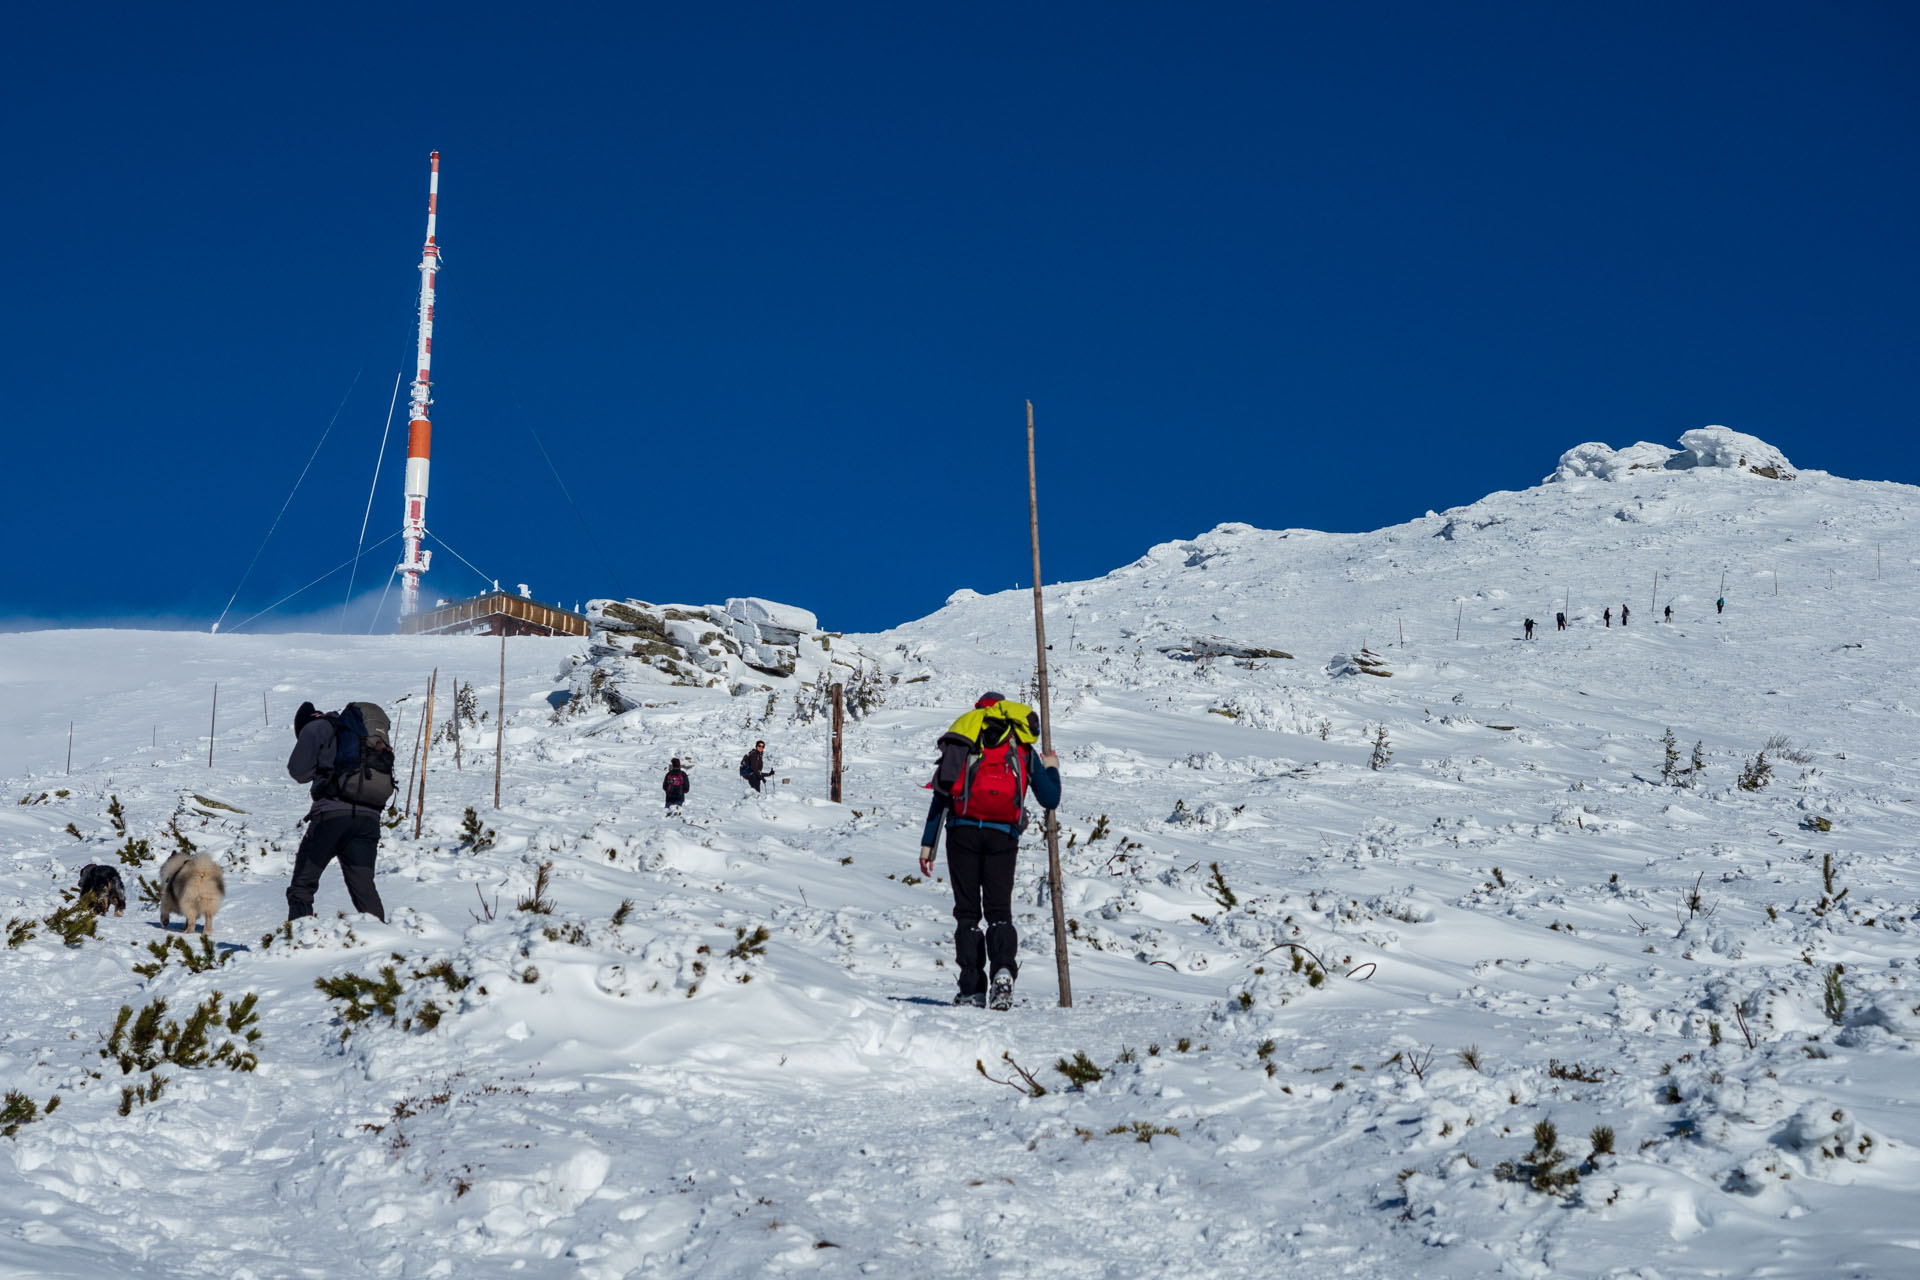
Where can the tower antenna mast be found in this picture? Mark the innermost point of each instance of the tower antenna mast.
(413, 528)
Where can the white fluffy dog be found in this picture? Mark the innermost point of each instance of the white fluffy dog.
(193, 888)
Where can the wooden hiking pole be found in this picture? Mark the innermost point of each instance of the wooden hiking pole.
(839, 734)
(212, 721)
(500, 723)
(1046, 728)
(426, 749)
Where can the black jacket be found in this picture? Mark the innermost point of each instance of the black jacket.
(676, 785)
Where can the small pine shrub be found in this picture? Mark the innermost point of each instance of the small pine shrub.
(1382, 750)
(209, 1037)
(1697, 766)
(624, 910)
(21, 1109)
(361, 997)
(1099, 831)
(1080, 1070)
(76, 921)
(117, 816)
(134, 853)
(18, 931)
(1835, 994)
(1757, 773)
(537, 903)
(1670, 764)
(748, 945)
(476, 836)
(1217, 889)
(1542, 1168)
(1144, 1132)
(1602, 1140)
(196, 961)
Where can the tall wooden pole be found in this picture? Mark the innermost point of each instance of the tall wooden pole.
(69, 747)
(500, 723)
(212, 721)
(1653, 601)
(839, 692)
(263, 710)
(1046, 728)
(426, 750)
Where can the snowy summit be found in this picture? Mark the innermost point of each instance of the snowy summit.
(1401, 943)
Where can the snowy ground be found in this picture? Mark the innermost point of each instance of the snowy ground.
(661, 1096)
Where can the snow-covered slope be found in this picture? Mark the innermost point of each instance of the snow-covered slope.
(1329, 1002)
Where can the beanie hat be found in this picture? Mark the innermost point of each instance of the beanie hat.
(304, 716)
(987, 700)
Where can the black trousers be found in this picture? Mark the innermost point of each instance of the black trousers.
(980, 864)
(354, 840)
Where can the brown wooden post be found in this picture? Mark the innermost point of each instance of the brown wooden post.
(69, 747)
(1052, 824)
(839, 692)
(500, 718)
(263, 710)
(426, 750)
(213, 721)
(413, 760)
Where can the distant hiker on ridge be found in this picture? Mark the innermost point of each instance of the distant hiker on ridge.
(753, 765)
(675, 784)
(1607, 614)
(346, 756)
(1529, 628)
(987, 764)
(1669, 613)
(1559, 622)
(1623, 615)
(1720, 605)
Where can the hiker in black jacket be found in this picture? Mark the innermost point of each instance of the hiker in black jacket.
(987, 765)
(675, 784)
(336, 828)
(753, 765)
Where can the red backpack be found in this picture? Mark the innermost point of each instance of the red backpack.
(993, 786)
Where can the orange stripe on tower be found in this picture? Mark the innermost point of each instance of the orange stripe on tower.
(419, 438)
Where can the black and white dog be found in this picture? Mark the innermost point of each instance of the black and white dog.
(108, 889)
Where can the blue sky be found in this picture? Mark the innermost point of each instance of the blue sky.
(771, 282)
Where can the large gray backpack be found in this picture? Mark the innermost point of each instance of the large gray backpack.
(362, 756)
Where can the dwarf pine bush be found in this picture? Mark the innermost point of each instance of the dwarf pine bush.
(1382, 750)
(20, 1109)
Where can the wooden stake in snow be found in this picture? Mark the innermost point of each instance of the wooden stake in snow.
(1457, 619)
(500, 724)
(426, 750)
(839, 692)
(1046, 727)
(69, 746)
(213, 720)
(413, 761)
(1653, 601)
(263, 710)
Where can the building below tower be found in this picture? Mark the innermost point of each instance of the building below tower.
(497, 613)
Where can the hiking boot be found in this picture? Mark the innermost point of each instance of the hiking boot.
(978, 999)
(1002, 996)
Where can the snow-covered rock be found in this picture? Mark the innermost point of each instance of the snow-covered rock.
(1596, 461)
(1722, 447)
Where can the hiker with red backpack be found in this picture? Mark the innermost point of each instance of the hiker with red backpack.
(347, 757)
(675, 784)
(988, 762)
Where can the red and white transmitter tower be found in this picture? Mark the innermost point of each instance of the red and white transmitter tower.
(419, 430)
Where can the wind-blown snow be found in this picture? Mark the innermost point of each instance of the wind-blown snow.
(1506, 913)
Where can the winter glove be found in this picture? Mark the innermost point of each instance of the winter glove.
(926, 859)
(1050, 760)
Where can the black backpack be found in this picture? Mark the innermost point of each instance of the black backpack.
(362, 756)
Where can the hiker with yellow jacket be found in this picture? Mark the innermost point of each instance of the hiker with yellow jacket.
(988, 762)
